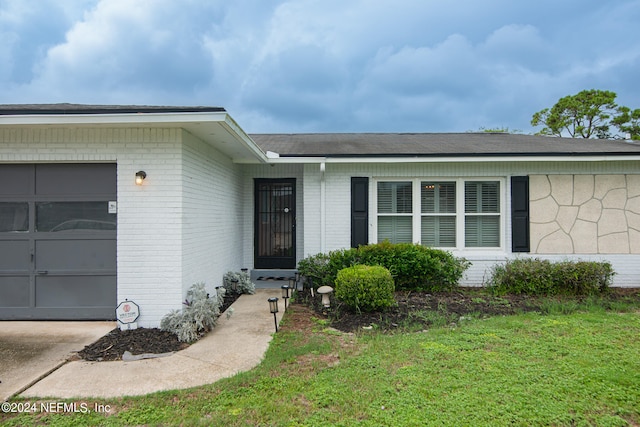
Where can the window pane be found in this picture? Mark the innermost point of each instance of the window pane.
(482, 231)
(396, 229)
(14, 216)
(394, 197)
(439, 231)
(482, 197)
(438, 197)
(69, 216)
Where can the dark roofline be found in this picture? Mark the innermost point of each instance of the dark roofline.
(70, 109)
(438, 145)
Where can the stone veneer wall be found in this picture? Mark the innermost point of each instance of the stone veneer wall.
(584, 214)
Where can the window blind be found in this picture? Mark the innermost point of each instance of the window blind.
(438, 231)
(394, 197)
(396, 229)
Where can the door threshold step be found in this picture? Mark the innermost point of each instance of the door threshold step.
(275, 278)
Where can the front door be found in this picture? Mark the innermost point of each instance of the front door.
(275, 223)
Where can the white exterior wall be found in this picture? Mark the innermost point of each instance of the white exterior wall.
(337, 205)
(313, 222)
(213, 215)
(149, 231)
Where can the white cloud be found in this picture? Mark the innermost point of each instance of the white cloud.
(311, 65)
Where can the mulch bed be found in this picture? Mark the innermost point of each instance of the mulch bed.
(139, 341)
(453, 305)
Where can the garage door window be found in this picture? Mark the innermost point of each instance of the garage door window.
(74, 216)
(14, 216)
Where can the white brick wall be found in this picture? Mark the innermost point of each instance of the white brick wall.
(213, 214)
(311, 196)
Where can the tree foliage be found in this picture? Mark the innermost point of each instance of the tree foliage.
(628, 121)
(589, 114)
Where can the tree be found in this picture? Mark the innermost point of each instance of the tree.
(506, 129)
(628, 122)
(587, 114)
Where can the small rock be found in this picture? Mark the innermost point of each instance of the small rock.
(128, 357)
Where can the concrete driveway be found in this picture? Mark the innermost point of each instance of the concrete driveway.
(31, 350)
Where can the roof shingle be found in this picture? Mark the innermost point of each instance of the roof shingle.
(436, 144)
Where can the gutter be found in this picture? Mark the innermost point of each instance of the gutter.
(611, 157)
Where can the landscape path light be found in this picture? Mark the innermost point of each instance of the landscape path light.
(285, 295)
(273, 307)
(325, 291)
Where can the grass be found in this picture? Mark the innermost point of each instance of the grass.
(572, 364)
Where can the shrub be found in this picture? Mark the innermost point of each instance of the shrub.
(365, 288)
(315, 267)
(323, 268)
(583, 277)
(542, 277)
(412, 266)
(243, 280)
(221, 291)
(197, 317)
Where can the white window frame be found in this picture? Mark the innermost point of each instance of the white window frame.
(460, 214)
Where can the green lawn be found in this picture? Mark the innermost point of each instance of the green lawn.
(581, 368)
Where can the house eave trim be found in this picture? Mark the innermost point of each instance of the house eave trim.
(617, 157)
(138, 119)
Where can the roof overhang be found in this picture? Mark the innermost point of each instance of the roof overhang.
(216, 128)
(455, 159)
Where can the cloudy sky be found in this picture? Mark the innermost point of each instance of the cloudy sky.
(324, 65)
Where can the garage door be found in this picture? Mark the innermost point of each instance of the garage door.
(57, 241)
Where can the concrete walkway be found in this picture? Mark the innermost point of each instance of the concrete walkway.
(236, 344)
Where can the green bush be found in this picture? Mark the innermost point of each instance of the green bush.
(542, 277)
(365, 288)
(412, 266)
(323, 268)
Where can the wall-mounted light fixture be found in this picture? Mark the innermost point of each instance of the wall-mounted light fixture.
(140, 176)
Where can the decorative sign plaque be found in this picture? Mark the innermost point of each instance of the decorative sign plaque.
(127, 312)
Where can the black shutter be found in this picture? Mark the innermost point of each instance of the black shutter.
(520, 214)
(359, 211)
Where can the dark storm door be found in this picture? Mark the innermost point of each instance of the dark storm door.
(275, 223)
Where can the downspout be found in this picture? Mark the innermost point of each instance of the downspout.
(323, 195)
